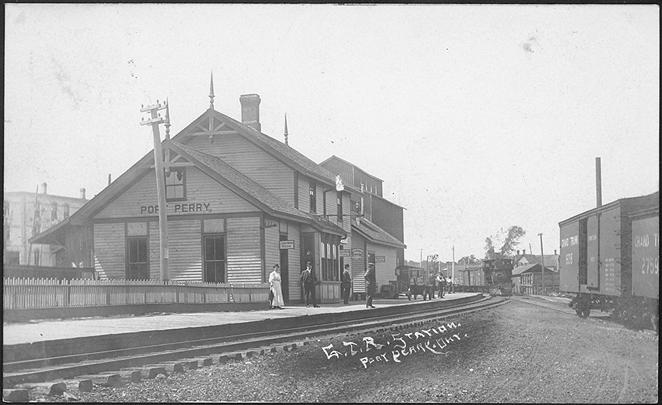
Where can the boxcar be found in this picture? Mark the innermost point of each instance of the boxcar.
(599, 252)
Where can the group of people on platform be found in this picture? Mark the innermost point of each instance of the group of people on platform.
(434, 283)
(308, 283)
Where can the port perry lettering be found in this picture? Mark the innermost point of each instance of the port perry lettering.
(185, 207)
(398, 345)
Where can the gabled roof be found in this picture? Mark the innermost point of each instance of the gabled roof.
(281, 151)
(530, 268)
(550, 260)
(334, 157)
(375, 234)
(249, 189)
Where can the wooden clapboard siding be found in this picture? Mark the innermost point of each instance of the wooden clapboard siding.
(184, 250)
(271, 247)
(251, 161)
(358, 265)
(200, 188)
(384, 272)
(109, 247)
(244, 262)
(294, 262)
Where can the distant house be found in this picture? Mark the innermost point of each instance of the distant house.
(525, 259)
(527, 279)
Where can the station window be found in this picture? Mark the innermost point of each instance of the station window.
(65, 210)
(175, 184)
(339, 204)
(54, 211)
(214, 258)
(312, 192)
(137, 258)
(330, 262)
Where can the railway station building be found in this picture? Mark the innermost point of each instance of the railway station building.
(238, 202)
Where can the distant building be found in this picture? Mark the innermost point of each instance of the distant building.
(27, 214)
(525, 259)
(527, 279)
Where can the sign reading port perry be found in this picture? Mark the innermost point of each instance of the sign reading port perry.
(177, 208)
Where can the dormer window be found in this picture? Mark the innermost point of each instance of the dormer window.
(175, 184)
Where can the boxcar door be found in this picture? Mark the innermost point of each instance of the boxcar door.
(593, 253)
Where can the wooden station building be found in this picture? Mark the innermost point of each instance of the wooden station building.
(238, 202)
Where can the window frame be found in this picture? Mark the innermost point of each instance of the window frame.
(224, 260)
(169, 186)
(128, 268)
(312, 195)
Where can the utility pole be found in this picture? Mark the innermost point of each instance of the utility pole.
(542, 264)
(154, 120)
(453, 266)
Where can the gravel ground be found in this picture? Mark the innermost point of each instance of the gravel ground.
(514, 353)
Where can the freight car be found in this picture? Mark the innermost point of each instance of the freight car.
(609, 258)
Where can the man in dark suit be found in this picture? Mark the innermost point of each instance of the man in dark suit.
(308, 284)
(371, 285)
(346, 284)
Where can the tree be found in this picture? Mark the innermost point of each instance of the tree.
(514, 233)
(471, 259)
(510, 240)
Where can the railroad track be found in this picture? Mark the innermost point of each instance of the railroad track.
(114, 367)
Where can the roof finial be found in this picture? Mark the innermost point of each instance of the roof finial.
(167, 120)
(285, 133)
(211, 91)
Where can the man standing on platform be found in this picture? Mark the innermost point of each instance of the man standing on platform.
(308, 284)
(371, 284)
(346, 284)
(441, 281)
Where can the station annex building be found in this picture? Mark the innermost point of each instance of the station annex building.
(238, 202)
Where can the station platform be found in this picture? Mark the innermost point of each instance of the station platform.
(52, 330)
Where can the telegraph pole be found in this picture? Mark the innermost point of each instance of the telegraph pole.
(154, 120)
(453, 266)
(542, 263)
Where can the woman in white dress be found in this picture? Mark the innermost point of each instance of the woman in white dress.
(274, 280)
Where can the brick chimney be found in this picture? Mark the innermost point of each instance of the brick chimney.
(250, 110)
(44, 188)
(82, 193)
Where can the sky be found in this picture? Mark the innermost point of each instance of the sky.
(477, 117)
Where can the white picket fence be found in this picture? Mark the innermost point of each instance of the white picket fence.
(34, 293)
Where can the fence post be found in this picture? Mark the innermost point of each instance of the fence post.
(68, 300)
